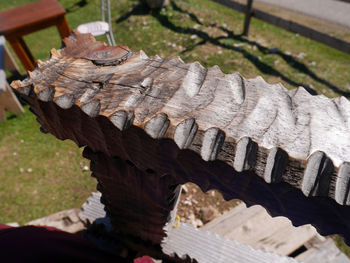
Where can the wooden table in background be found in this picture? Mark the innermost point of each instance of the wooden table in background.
(23, 20)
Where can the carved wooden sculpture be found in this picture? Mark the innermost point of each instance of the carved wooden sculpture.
(150, 124)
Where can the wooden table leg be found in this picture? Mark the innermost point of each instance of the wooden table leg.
(23, 52)
(63, 27)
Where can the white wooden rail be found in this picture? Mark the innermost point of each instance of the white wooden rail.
(8, 99)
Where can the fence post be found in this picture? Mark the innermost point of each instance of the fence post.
(248, 15)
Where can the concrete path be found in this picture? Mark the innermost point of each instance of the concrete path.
(334, 11)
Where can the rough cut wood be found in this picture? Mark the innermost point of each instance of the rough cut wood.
(284, 149)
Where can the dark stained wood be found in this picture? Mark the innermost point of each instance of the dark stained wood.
(29, 18)
(138, 202)
(285, 150)
(23, 53)
(23, 20)
(63, 27)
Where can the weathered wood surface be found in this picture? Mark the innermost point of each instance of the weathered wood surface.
(208, 247)
(6, 59)
(8, 100)
(322, 250)
(254, 227)
(283, 149)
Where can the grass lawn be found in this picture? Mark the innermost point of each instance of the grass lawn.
(41, 175)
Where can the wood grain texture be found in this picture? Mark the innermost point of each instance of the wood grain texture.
(284, 149)
(254, 227)
(138, 203)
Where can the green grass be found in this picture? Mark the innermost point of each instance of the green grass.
(192, 29)
(39, 174)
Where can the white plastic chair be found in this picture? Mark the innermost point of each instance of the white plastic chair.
(103, 27)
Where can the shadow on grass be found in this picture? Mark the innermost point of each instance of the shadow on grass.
(138, 10)
(74, 7)
(142, 9)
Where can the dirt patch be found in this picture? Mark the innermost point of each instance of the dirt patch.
(198, 208)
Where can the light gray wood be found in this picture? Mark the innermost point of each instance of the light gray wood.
(2, 58)
(245, 154)
(322, 250)
(9, 62)
(8, 100)
(185, 133)
(254, 227)
(207, 247)
(343, 184)
(3, 81)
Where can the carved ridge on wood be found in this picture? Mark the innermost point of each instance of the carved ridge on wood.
(205, 111)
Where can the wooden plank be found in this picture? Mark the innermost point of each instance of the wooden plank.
(6, 59)
(207, 247)
(323, 251)
(3, 81)
(253, 141)
(255, 227)
(10, 63)
(9, 101)
(29, 18)
(21, 49)
(63, 27)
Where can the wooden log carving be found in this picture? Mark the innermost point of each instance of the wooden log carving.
(284, 149)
